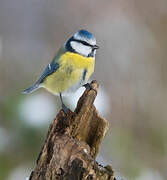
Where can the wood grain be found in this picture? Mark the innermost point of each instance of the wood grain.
(72, 144)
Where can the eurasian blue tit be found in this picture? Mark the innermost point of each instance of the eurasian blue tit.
(70, 68)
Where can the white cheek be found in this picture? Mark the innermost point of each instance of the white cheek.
(80, 48)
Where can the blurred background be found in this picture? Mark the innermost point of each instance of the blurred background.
(131, 68)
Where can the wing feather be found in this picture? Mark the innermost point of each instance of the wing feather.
(51, 68)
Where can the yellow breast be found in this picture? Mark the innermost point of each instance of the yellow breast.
(68, 76)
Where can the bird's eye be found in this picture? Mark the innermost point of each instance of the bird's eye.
(85, 43)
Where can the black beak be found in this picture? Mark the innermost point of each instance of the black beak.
(95, 47)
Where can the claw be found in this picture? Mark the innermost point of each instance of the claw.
(89, 87)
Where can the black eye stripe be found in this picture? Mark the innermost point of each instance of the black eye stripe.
(86, 44)
(83, 42)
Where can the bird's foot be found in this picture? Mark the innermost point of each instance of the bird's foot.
(89, 87)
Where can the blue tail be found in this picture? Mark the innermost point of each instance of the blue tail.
(31, 89)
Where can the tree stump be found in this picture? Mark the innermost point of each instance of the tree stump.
(72, 144)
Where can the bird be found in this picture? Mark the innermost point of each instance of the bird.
(70, 68)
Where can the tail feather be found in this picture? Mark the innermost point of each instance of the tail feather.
(31, 89)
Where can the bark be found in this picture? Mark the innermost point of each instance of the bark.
(72, 144)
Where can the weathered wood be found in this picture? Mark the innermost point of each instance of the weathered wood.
(72, 144)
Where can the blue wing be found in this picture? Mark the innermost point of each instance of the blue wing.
(51, 68)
